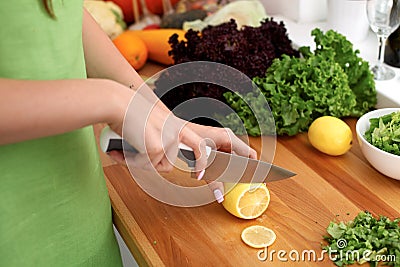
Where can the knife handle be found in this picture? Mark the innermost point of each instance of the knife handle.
(110, 140)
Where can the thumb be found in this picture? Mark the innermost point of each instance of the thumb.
(198, 145)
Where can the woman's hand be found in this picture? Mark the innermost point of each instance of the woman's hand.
(222, 139)
(156, 133)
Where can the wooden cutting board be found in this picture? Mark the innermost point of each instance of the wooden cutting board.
(325, 188)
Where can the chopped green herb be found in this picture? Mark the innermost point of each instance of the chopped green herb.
(365, 239)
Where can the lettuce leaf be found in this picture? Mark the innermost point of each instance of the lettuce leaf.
(360, 78)
(332, 80)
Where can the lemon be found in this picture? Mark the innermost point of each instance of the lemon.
(258, 236)
(330, 135)
(246, 201)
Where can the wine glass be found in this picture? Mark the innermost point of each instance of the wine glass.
(384, 18)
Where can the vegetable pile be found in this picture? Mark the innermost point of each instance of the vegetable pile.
(384, 133)
(250, 50)
(333, 81)
(365, 239)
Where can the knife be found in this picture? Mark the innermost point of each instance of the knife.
(221, 166)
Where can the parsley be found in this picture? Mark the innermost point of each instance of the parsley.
(365, 239)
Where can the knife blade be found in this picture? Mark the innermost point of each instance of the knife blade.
(221, 166)
(226, 167)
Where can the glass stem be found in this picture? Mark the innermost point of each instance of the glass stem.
(381, 52)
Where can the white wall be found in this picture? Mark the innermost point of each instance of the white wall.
(297, 10)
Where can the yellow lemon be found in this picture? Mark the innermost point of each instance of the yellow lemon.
(258, 236)
(246, 201)
(330, 135)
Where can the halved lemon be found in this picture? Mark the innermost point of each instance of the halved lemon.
(246, 201)
(258, 236)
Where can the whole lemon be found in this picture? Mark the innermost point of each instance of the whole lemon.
(330, 135)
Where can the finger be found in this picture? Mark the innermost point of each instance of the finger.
(191, 139)
(201, 156)
(155, 158)
(117, 156)
(164, 165)
(218, 190)
(155, 155)
(151, 163)
(167, 162)
(140, 161)
(241, 148)
(253, 154)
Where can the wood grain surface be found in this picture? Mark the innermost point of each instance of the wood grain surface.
(325, 188)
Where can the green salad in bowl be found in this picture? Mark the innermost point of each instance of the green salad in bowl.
(384, 133)
(378, 134)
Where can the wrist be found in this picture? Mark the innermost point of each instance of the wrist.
(116, 99)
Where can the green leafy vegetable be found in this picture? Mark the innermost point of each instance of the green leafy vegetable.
(360, 78)
(256, 118)
(331, 81)
(384, 133)
(365, 239)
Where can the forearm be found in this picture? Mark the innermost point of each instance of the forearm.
(103, 60)
(34, 109)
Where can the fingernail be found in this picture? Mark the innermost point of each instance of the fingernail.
(218, 195)
(201, 174)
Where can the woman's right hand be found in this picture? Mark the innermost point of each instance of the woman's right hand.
(156, 133)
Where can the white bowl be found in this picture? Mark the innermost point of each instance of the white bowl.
(386, 163)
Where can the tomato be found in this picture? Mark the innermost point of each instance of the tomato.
(154, 6)
(152, 27)
(127, 10)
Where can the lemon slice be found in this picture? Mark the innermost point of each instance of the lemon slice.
(258, 236)
(246, 201)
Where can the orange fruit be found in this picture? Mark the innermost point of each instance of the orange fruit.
(132, 48)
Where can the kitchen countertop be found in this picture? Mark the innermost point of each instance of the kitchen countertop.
(325, 188)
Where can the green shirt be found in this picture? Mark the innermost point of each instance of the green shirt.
(54, 204)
